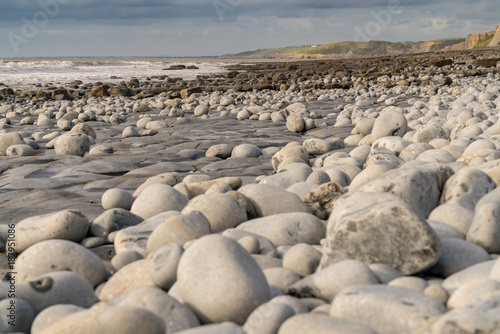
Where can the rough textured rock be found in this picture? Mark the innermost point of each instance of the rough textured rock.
(322, 199)
(73, 143)
(380, 228)
(237, 277)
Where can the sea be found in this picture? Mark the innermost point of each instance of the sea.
(21, 73)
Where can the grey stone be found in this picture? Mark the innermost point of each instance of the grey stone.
(281, 278)
(457, 255)
(201, 110)
(136, 237)
(380, 228)
(479, 318)
(58, 287)
(130, 277)
(201, 187)
(170, 179)
(316, 323)
(362, 305)
(445, 231)
(238, 278)
(52, 255)
(52, 314)
(113, 220)
(164, 262)
(389, 123)
(158, 198)
(287, 228)
(223, 328)
(220, 151)
(318, 146)
(222, 211)
(295, 123)
(466, 188)
(122, 259)
(266, 247)
(318, 177)
(267, 318)
(302, 259)
(410, 282)
(117, 198)
(179, 230)
(322, 199)
(16, 311)
(20, 150)
(290, 152)
(266, 262)
(130, 131)
(67, 224)
(110, 319)
(429, 131)
(485, 228)
(73, 143)
(246, 151)
(327, 283)
(420, 187)
(454, 215)
(250, 243)
(473, 292)
(175, 315)
(412, 151)
(270, 200)
(9, 139)
(477, 272)
(368, 174)
(384, 273)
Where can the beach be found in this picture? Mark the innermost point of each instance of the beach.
(204, 196)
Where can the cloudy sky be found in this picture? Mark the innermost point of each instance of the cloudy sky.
(216, 27)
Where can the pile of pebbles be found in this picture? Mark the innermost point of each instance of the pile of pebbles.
(369, 209)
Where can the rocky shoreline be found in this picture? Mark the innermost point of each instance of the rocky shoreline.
(325, 196)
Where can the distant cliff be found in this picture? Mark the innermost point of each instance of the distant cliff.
(376, 48)
(496, 38)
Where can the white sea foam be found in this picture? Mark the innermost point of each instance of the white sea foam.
(27, 73)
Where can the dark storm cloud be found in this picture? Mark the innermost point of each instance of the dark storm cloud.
(113, 11)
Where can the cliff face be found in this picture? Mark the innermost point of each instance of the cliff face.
(496, 39)
(379, 48)
(472, 40)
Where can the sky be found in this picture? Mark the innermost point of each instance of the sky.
(157, 28)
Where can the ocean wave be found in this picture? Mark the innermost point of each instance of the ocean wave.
(21, 73)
